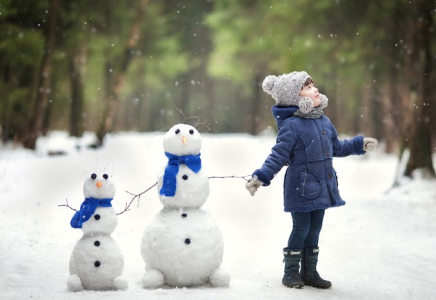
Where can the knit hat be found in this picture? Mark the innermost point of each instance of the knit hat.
(285, 89)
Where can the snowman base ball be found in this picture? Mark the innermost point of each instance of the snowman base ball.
(95, 267)
(183, 248)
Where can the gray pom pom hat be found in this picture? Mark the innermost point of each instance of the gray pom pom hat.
(285, 90)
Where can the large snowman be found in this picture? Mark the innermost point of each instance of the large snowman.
(183, 246)
(96, 262)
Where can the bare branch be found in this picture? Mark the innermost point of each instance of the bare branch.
(67, 205)
(223, 177)
(203, 124)
(127, 207)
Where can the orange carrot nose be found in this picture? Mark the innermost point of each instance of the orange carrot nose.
(99, 184)
(184, 140)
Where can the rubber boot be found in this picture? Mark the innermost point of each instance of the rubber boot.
(309, 274)
(292, 259)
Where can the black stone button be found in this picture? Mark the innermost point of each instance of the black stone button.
(97, 264)
(185, 177)
(187, 241)
(96, 243)
(184, 215)
(97, 217)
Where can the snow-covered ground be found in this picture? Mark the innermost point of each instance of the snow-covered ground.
(379, 246)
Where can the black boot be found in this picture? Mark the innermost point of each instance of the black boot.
(292, 266)
(309, 274)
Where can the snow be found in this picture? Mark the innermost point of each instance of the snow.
(379, 246)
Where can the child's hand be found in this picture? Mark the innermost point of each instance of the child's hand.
(253, 184)
(369, 144)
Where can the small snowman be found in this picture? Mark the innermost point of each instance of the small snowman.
(96, 262)
(183, 245)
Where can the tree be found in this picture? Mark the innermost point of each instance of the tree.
(115, 82)
(418, 68)
(44, 80)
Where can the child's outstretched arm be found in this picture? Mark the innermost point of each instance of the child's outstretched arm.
(357, 145)
(280, 155)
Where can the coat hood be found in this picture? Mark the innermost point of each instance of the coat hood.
(280, 113)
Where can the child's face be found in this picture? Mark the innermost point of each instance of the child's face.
(312, 92)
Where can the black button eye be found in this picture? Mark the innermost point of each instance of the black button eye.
(191, 131)
(184, 215)
(97, 217)
(96, 243)
(97, 264)
(177, 131)
(93, 176)
(185, 177)
(105, 176)
(187, 241)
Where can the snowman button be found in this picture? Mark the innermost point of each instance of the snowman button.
(185, 177)
(184, 215)
(187, 241)
(96, 243)
(97, 264)
(97, 217)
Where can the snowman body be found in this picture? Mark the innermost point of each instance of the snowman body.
(97, 262)
(187, 254)
(183, 245)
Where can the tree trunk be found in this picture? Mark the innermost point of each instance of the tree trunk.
(420, 140)
(112, 98)
(77, 62)
(44, 86)
(255, 104)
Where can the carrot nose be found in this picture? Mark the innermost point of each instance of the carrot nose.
(99, 184)
(184, 140)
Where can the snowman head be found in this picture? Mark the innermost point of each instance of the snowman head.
(182, 139)
(104, 219)
(99, 186)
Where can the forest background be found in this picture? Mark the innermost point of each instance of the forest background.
(107, 66)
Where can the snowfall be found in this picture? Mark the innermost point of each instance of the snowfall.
(379, 246)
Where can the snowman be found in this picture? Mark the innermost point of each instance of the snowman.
(183, 245)
(96, 262)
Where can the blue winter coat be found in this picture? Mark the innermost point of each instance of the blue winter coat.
(307, 146)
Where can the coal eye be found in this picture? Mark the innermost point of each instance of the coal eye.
(191, 131)
(93, 176)
(105, 176)
(177, 131)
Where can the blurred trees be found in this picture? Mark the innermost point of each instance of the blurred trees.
(373, 59)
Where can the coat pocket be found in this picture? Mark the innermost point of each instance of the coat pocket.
(309, 185)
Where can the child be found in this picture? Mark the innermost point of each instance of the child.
(306, 142)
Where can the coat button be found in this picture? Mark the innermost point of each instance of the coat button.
(330, 176)
(327, 154)
(323, 133)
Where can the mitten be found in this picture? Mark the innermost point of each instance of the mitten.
(369, 144)
(253, 184)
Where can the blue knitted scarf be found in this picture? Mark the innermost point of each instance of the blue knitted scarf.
(87, 209)
(169, 181)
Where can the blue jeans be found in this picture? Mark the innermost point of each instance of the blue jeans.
(306, 229)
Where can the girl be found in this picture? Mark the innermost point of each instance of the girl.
(306, 142)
